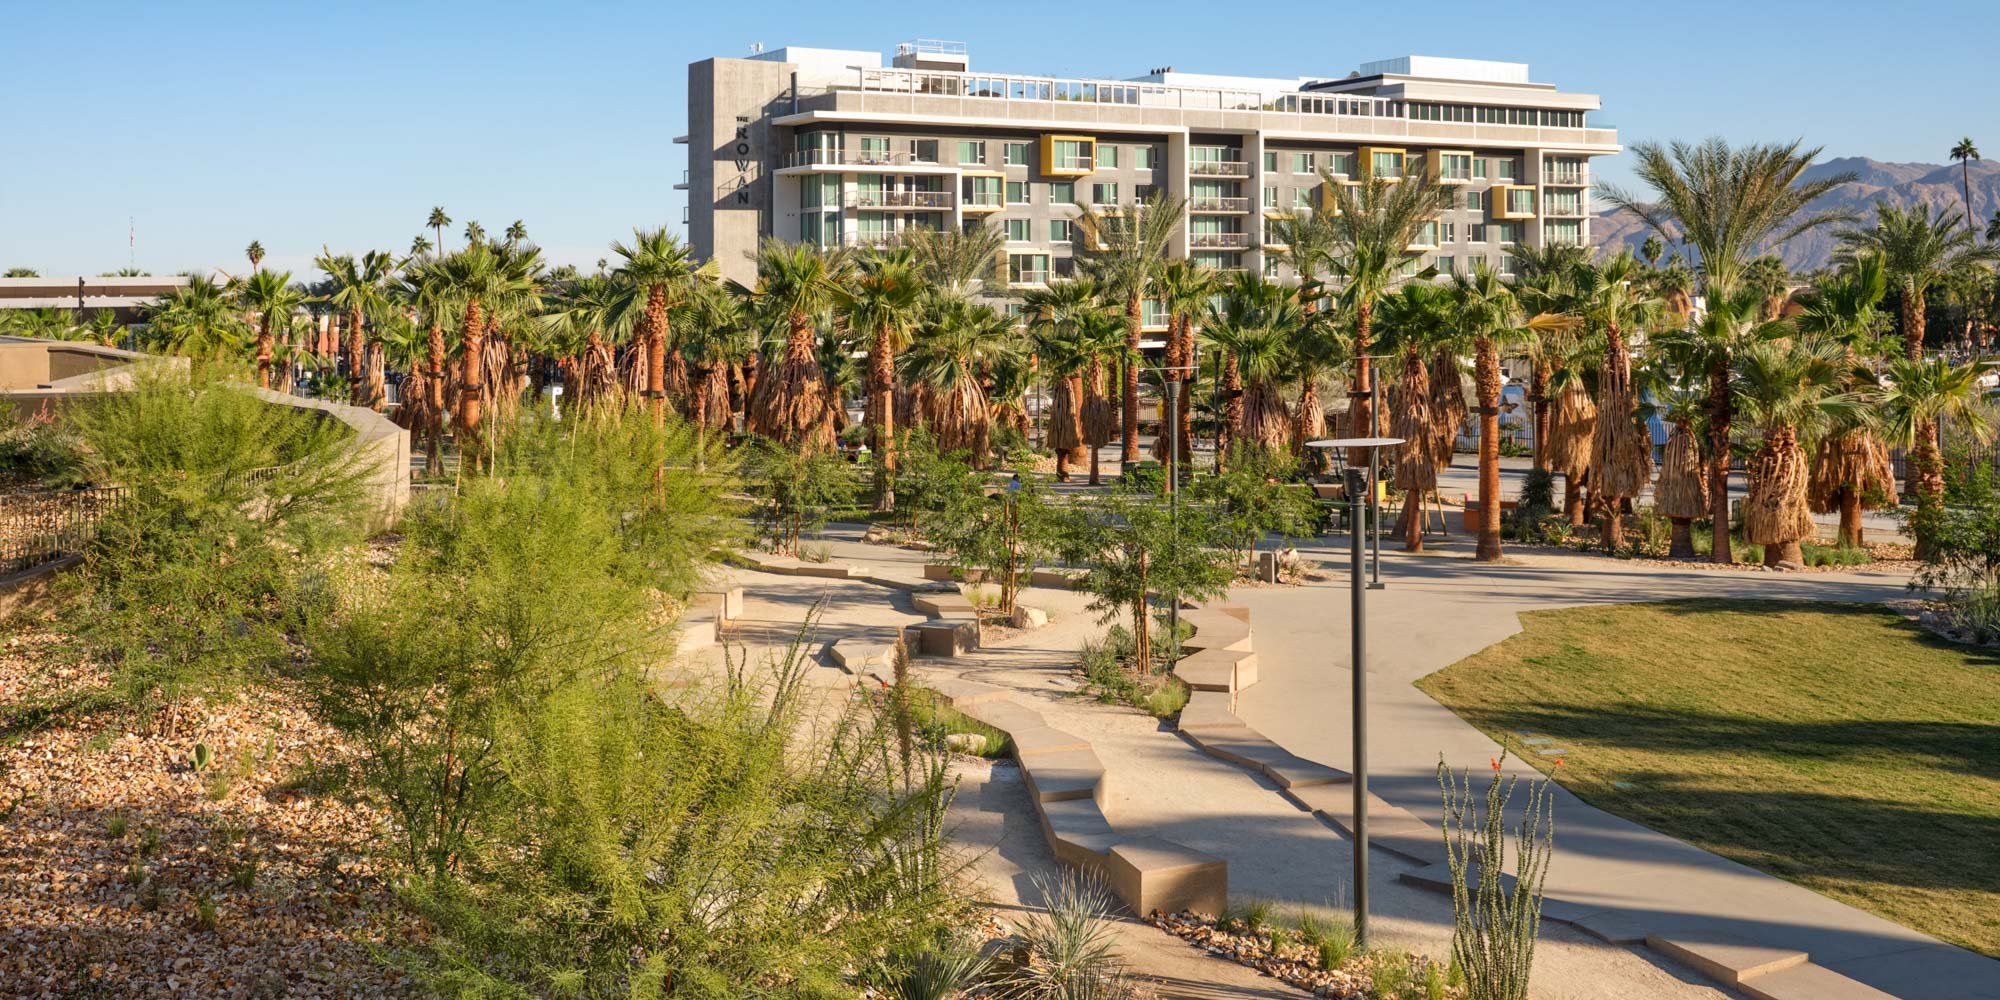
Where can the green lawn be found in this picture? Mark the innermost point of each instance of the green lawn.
(1835, 746)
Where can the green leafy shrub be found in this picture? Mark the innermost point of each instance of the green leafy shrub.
(1535, 504)
(41, 449)
(1070, 947)
(798, 491)
(1964, 549)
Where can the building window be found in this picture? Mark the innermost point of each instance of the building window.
(1343, 164)
(984, 192)
(1059, 230)
(1427, 235)
(1520, 201)
(1448, 232)
(1455, 166)
(1270, 162)
(1479, 168)
(1477, 232)
(1142, 156)
(1562, 232)
(1014, 154)
(1387, 166)
(1302, 198)
(1017, 192)
(972, 151)
(1104, 193)
(1507, 267)
(1028, 268)
(1062, 192)
(1302, 163)
(1107, 157)
(1509, 233)
(1271, 267)
(1017, 230)
(923, 150)
(1475, 201)
(1446, 265)
(1270, 197)
(875, 149)
(1503, 170)
(1071, 154)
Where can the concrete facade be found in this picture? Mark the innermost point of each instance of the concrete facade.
(833, 148)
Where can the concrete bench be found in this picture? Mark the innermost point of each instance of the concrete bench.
(1152, 874)
(943, 637)
(1215, 629)
(696, 629)
(1224, 670)
(856, 655)
(1078, 833)
(1061, 775)
(727, 603)
(1208, 710)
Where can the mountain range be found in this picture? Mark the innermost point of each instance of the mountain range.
(1931, 184)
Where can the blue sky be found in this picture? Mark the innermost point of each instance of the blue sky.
(212, 124)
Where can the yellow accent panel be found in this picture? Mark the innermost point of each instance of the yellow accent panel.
(1048, 149)
(984, 173)
(1325, 198)
(1497, 200)
(1365, 160)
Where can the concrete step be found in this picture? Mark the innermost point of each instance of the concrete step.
(1006, 715)
(1207, 709)
(1733, 963)
(1058, 776)
(1078, 833)
(1810, 982)
(1152, 874)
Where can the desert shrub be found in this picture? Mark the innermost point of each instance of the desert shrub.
(189, 583)
(927, 479)
(1535, 504)
(1964, 555)
(1107, 666)
(1253, 497)
(1003, 536)
(1495, 923)
(797, 490)
(1070, 947)
(40, 449)
(1136, 553)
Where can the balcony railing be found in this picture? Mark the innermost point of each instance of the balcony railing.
(1215, 203)
(1028, 277)
(1073, 164)
(1567, 209)
(1575, 178)
(853, 158)
(900, 199)
(984, 199)
(1219, 241)
(1219, 168)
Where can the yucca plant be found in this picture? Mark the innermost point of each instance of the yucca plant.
(1495, 922)
(1068, 951)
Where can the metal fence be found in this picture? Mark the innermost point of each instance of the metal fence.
(42, 527)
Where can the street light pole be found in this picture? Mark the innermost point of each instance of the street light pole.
(1374, 490)
(1173, 432)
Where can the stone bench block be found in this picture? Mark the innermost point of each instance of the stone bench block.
(1298, 772)
(856, 655)
(963, 693)
(1810, 982)
(1217, 670)
(935, 603)
(1246, 748)
(1004, 715)
(1033, 740)
(1612, 927)
(944, 637)
(1153, 874)
(727, 603)
(1216, 630)
(1060, 775)
(696, 629)
(1731, 962)
(1078, 833)
(1056, 579)
(1208, 710)
(940, 571)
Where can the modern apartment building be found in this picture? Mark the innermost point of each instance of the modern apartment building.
(832, 147)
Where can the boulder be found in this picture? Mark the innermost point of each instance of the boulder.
(1026, 617)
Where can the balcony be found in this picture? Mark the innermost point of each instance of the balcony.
(806, 159)
(982, 201)
(1567, 208)
(1218, 203)
(932, 200)
(1219, 241)
(1029, 278)
(1219, 168)
(683, 185)
(1572, 178)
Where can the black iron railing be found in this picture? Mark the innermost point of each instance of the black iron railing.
(42, 527)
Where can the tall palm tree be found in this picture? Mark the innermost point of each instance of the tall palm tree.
(420, 245)
(1790, 388)
(474, 279)
(1487, 314)
(269, 296)
(1773, 282)
(1124, 248)
(660, 263)
(955, 260)
(1850, 467)
(712, 325)
(797, 286)
(586, 310)
(1056, 324)
(359, 286)
(1918, 395)
(199, 319)
(884, 304)
(1414, 321)
(1544, 284)
(947, 363)
(1258, 324)
(1681, 493)
(1727, 204)
(1103, 334)
(474, 233)
(1964, 152)
(1611, 301)
(255, 251)
(1184, 289)
(437, 221)
(1374, 224)
(105, 328)
(516, 232)
(1919, 250)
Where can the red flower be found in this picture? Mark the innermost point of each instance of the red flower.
(1495, 761)
(1559, 762)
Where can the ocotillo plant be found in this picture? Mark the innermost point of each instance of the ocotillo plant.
(1496, 922)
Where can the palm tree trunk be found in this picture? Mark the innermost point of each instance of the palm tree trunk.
(1538, 383)
(1719, 413)
(1232, 395)
(434, 386)
(357, 393)
(1128, 451)
(1850, 517)
(1573, 489)
(1681, 546)
(1926, 488)
(882, 415)
(656, 354)
(1360, 411)
(1913, 324)
(1187, 379)
(472, 346)
(1488, 377)
(264, 351)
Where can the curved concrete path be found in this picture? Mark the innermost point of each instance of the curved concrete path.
(1626, 879)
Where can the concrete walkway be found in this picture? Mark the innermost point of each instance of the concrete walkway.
(1442, 607)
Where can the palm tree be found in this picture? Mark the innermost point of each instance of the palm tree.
(1964, 152)
(884, 304)
(105, 328)
(474, 233)
(711, 332)
(1993, 228)
(1124, 248)
(199, 319)
(269, 296)
(1728, 204)
(420, 245)
(1103, 334)
(955, 260)
(1681, 494)
(1184, 288)
(472, 279)
(1789, 387)
(516, 233)
(1414, 322)
(1773, 282)
(255, 251)
(947, 363)
(1258, 324)
(1919, 394)
(1056, 324)
(1374, 224)
(587, 308)
(1849, 467)
(360, 287)
(661, 264)
(1487, 314)
(1919, 250)
(437, 221)
(797, 286)
(1610, 300)
(1544, 285)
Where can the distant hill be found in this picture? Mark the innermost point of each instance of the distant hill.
(1932, 184)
